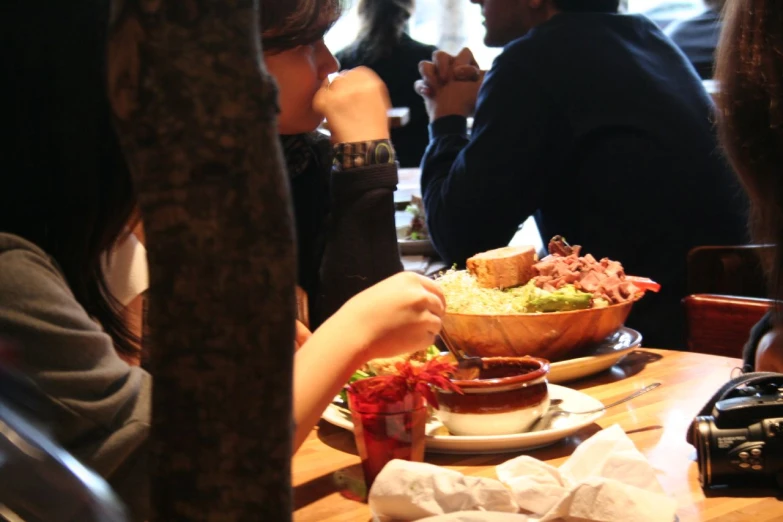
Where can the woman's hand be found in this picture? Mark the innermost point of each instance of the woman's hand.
(355, 104)
(401, 314)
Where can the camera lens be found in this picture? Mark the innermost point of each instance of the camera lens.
(700, 434)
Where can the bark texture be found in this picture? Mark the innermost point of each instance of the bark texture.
(195, 111)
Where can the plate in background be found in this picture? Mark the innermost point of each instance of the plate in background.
(414, 247)
(597, 359)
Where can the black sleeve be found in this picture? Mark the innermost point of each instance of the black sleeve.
(361, 238)
(478, 191)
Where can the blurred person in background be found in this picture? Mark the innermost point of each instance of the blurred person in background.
(384, 46)
(749, 69)
(68, 200)
(595, 123)
(698, 37)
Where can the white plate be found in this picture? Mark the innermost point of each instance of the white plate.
(562, 427)
(598, 358)
(414, 247)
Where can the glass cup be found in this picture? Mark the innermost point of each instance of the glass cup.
(386, 429)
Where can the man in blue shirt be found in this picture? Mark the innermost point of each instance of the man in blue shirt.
(595, 123)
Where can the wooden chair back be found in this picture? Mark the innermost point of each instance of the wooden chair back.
(720, 324)
(727, 297)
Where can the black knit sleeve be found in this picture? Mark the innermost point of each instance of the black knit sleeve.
(361, 239)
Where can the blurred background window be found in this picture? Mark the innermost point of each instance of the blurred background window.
(453, 24)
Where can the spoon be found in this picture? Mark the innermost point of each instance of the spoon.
(468, 366)
(546, 420)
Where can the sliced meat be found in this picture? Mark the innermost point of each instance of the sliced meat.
(558, 246)
(605, 279)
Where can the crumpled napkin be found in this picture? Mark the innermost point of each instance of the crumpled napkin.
(406, 490)
(605, 480)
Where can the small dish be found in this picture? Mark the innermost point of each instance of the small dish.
(508, 396)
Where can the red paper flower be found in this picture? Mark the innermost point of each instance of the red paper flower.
(421, 378)
(411, 379)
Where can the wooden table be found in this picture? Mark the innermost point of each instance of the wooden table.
(656, 422)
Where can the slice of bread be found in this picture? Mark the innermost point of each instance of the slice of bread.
(503, 267)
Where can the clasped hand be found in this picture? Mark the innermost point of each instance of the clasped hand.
(449, 84)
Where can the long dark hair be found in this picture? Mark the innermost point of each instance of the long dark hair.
(382, 23)
(65, 185)
(290, 23)
(750, 121)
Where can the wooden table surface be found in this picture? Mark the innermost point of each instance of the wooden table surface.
(656, 422)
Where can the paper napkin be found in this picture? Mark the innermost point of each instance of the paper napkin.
(605, 480)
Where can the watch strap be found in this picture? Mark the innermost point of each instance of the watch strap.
(363, 153)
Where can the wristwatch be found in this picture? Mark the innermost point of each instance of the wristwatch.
(362, 153)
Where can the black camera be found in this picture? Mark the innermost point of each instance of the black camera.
(741, 443)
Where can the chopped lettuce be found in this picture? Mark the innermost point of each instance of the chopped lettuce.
(360, 374)
(357, 375)
(431, 352)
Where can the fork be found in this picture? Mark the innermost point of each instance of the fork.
(546, 419)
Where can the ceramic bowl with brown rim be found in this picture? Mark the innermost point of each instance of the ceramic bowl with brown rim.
(508, 396)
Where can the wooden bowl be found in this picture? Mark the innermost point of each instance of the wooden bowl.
(551, 336)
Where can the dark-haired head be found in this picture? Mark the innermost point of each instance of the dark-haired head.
(295, 54)
(291, 23)
(749, 70)
(382, 25)
(65, 184)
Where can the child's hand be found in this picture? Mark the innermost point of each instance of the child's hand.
(401, 314)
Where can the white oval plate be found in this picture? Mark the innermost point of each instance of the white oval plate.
(562, 427)
(597, 359)
(412, 247)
